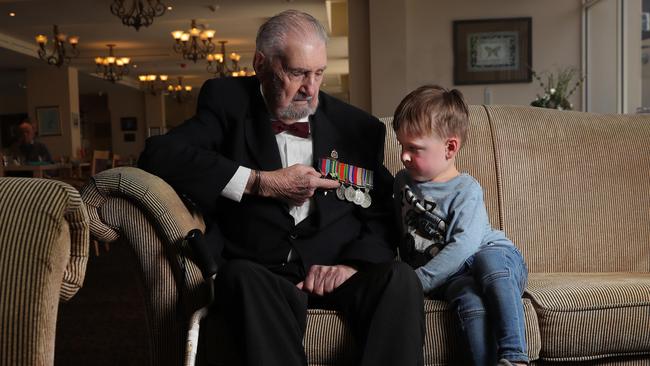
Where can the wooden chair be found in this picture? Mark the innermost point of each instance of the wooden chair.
(115, 161)
(100, 161)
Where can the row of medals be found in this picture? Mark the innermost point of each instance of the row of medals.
(358, 196)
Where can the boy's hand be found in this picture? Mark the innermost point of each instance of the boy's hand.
(322, 280)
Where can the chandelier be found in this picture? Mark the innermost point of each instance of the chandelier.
(137, 13)
(194, 44)
(112, 68)
(243, 72)
(218, 66)
(180, 92)
(60, 53)
(153, 83)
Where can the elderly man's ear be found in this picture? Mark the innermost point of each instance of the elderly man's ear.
(258, 62)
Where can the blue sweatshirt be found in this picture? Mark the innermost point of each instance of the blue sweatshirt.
(442, 225)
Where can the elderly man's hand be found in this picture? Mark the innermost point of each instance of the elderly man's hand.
(322, 280)
(294, 184)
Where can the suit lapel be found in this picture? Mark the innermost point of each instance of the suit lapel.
(259, 136)
(325, 137)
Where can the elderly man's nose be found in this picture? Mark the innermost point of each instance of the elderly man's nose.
(309, 83)
(305, 93)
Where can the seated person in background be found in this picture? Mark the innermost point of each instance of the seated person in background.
(26, 149)
(447, 236)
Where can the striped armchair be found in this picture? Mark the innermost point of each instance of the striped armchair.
(44, 235)
(571, 189)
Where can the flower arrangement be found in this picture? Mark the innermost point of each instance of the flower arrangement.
(556, 89)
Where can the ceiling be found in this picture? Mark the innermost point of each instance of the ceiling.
(150, 48)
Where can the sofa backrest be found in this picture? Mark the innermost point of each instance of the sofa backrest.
(44, 239)
(571, 189)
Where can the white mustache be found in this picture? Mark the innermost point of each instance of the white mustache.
(300, 98)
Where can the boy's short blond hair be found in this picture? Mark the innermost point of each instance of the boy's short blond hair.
(432, 109)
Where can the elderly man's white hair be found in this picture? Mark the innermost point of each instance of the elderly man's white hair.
(272, 34)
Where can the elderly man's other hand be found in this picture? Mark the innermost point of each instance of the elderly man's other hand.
(294, 184)
(322, 280)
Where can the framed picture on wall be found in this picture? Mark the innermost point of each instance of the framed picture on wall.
(49, 121)
(489, 51)
(129, 123)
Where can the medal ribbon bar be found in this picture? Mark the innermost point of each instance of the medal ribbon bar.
(346, 173)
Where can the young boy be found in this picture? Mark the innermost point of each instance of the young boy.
(446, 234)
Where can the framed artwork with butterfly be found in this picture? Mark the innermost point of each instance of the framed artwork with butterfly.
(490, 51)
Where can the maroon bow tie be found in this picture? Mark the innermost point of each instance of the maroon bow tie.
(300, 129)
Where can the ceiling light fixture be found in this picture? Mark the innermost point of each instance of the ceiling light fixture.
(112, 68)
(194, 44)
(12, 14)
(153, 84)
(217, 64)
(137, 13)
(180, 92)
(60, 53)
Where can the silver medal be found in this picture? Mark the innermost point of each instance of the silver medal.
(359, 197)
(340, 192)
(367, 201)
(350, 193)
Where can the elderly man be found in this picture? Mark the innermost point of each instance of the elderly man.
(27, 149)
(287, 239)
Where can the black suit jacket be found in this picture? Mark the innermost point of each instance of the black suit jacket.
(232, 128)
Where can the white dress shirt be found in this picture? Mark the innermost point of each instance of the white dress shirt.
(293, 150)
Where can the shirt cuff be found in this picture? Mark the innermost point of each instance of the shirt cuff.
(234, 190)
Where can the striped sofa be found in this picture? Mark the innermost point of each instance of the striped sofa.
(44, 236)
(571, 189)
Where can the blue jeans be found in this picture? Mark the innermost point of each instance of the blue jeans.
(486, 296)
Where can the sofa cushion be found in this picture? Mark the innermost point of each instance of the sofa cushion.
(571, 181)
(587, 316)
(328, 342)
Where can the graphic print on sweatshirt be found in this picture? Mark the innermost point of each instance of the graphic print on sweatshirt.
(424, 228)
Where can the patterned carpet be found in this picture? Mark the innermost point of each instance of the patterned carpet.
(87, 332)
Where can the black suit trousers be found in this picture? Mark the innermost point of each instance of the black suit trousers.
(265, 314)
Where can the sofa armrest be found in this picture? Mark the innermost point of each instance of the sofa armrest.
(152, 194)
(146, 214)
(44, 237)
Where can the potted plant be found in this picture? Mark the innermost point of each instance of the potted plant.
(557, 88)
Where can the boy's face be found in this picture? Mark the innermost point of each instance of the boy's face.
(428, 158)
